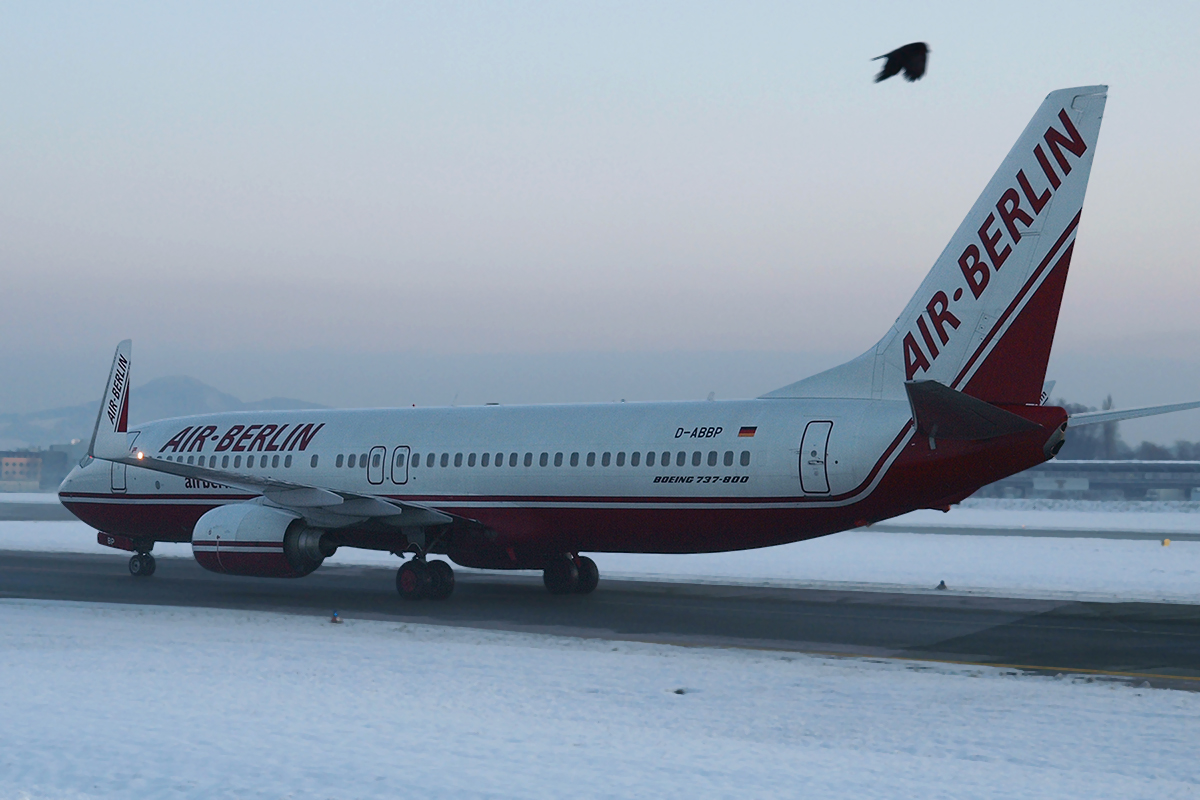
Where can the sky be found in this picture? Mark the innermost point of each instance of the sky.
(377, 203)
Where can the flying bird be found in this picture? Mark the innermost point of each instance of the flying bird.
(910, 58)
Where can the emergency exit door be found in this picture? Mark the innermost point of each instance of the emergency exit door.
(375, 464)
(400, 458)
(814, 451)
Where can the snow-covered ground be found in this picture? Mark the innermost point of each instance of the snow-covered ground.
(1017, 566)
(130, 702)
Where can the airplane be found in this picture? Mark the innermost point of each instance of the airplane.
(948, 401)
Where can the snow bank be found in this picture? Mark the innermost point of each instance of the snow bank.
(127, 702)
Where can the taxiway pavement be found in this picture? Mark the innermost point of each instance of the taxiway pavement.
(1139, 641)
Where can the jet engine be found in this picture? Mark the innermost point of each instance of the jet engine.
(259, 541)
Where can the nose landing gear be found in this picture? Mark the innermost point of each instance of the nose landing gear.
(141, 565)
(571, 574)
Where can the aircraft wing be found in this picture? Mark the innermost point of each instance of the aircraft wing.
(320, 506)
(1116, 415)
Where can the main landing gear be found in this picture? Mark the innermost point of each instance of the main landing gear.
(418, 579)
(571, 574)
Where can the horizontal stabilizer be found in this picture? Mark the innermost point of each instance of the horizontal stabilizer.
(1096, 417)
(942, 413)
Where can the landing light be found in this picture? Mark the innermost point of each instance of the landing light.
(141, 455)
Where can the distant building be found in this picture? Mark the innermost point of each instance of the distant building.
(20, 472)
(1102, 480)
(39, 470)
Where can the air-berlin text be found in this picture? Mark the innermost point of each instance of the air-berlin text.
(243, 438)
(117, 392)
(999, 233)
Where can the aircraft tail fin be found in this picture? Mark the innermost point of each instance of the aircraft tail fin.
(109, 437)
(983, 320)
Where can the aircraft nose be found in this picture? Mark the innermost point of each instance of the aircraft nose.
(70, 483)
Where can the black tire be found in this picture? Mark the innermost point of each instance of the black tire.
(149, 564)
(561, 576)
(412, 580)
(441, 580)
(589, 576)
(138, 567)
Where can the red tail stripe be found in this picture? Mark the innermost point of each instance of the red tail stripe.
(1016, 300)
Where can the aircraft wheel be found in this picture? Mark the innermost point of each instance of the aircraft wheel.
(412, 580)
(141, 565)
(561, 576)
(441, 580)
(589, 576)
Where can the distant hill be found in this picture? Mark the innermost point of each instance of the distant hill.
(160, 398)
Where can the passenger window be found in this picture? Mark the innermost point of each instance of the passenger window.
(445, 459)
(574, 459)
(287, 462)
(512, 459)
(729, 458)
(224, 462)
(499, 459)
(400, 459)
(350, 462)
(429, 460)
(471, 460)
(621, 459)
(485, 459)
(249, 461)
(274, 462)
(680, 458)
(712, 458)
(376, 460)
(362, 461)
(416, 460)
(606, 459)
(237, 462)
(635, 459)
(338, 462)
(458, 459)
(544, 460)
(313, 462)
(745, 458)
(528, 459)
(650, 459)
(696, 456)
(558, 459)
(666, 459)
(591, 459)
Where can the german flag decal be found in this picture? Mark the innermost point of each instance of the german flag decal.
(747, 431)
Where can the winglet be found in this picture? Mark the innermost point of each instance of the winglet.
(109, 440)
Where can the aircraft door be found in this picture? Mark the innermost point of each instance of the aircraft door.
(814, 477)
(117, 481)
(400, 458)
(375, 465)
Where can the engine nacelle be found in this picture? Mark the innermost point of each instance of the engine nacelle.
(259, 541)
